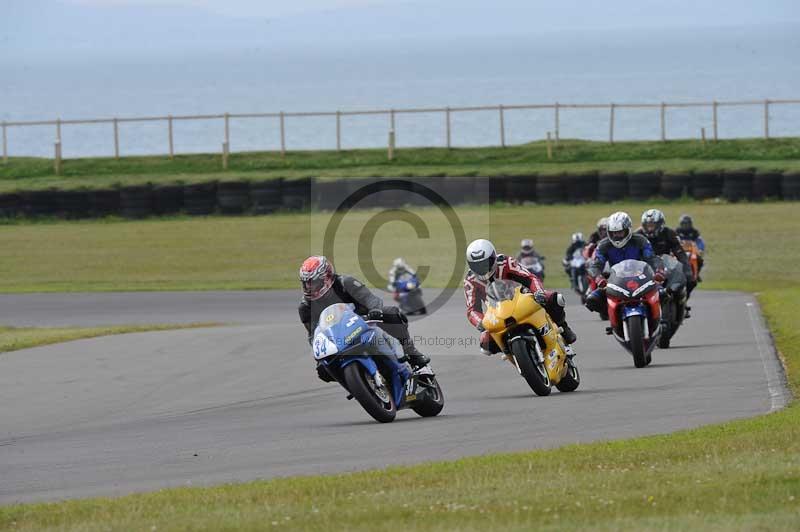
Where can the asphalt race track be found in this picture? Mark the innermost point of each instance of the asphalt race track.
(113, 415)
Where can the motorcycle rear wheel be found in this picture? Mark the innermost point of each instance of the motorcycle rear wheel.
(636, 340)
(533, 372)
(432, 405)
(358, 383)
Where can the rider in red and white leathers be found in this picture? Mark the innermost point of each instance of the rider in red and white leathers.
(486, 266)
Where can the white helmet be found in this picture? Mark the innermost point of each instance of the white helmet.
(482, 258)
(619, 229)
(577, 237)
(399, 263)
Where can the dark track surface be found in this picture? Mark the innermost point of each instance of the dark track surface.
(113, 415)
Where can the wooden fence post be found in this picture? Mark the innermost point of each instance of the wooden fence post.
(714, 119)
(391, 145)
(169, 133)
(228, 129)
(57, 158)
(557, 122)
(58, 129)
(447, 121)
(338, 131)
(703, 136)
(116, 139)
(611, 124)
(283, 135)
(663, 122)
(391, 120)
(502, 127)
(225, 153)
(766, 119)
(5, 143)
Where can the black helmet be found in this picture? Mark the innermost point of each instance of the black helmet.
(685, 222)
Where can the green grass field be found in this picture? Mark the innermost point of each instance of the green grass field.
(265, 252)
(571, 155)
(741, 475)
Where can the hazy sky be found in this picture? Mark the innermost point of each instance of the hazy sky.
(265, 8)
(722, 11)
(83, 28)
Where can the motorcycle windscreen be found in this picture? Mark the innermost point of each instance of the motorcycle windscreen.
(631, 268)
(502, 290)
(339, 329)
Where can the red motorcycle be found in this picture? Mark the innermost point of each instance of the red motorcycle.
(634, 309)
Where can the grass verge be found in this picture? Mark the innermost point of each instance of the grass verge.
(14, 338)
(571, 155)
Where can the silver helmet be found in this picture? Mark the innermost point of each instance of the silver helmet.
(619, 229)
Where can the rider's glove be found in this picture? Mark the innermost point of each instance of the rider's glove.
(375, 314)
(659, 277)
(540, 296)
(600, 281)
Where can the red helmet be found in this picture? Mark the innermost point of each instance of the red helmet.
(317, 276)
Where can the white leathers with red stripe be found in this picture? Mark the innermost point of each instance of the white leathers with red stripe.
(475, 289)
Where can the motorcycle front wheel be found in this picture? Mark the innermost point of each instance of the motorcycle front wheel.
(533, 372)
(636, 341)
(377, 401)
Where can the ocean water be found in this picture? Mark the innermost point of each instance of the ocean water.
(604, 67)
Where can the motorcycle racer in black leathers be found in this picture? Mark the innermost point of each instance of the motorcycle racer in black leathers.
(322, 287)
(665, 241)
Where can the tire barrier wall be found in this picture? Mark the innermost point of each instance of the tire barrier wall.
(264, 197)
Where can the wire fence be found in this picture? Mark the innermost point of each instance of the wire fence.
(283, 120)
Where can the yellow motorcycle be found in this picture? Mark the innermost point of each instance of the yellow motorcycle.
(529, 338)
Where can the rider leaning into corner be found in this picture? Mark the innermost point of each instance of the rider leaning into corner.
(620, 244)
(322, 287)
(665, 241)
(485, 265)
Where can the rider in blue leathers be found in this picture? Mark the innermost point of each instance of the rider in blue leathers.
(620, 244)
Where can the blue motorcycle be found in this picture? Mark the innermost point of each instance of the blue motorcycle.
(364, 360)
(408, 294)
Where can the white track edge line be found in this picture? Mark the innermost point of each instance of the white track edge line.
(773, 368)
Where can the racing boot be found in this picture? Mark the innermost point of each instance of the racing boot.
(415, 358)
(567, 333)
